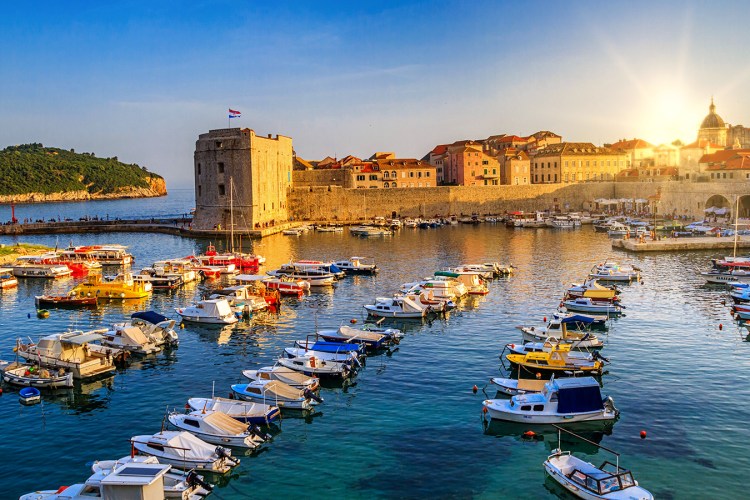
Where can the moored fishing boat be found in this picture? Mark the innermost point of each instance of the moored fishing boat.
(287, 285)
(157, 327)
(557, 329)
(185, 451)
(67, 301)
(7, 280)
(244, 411)
(565, 400)
(30, 375)
(217, 428)
(371, 339)
(588, 305)
(556, 362)
(210, 311)
(29, 266)
(354, 265)
(398, 307)
(119, 287)
(276, 393)
(513, 387)
(75, 351)
(287, 375)
(314, 367)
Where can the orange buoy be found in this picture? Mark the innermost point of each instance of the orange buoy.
(545, 319)
(643, 434)
(474, 389)
(1, 390)
(529, 434)
(721, 327)
(187, 406)
(484, 409)
(538, 375)
(353, 321)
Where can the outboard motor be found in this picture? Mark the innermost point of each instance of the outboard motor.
(311, 395)
(609, 405)
(222, 453)
(256, 431)
(596, 356)
(194, 479)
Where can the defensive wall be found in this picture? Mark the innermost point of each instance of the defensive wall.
(668, 197)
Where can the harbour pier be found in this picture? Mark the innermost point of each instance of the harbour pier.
(681, 244)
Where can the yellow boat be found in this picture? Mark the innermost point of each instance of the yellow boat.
(592, 289)
(123, 286)
(557, 360)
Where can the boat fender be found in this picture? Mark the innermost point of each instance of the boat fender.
(312, 362)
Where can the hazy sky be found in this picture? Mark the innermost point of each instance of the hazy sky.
(141, 80)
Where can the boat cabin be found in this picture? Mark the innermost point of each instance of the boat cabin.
(608, 478)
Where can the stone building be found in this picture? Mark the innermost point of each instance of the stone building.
(568, 162)
(391, 173)
(515, 167)
(713, 129)
(257, 170)
(640, 152)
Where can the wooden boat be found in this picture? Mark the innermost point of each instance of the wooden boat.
(585, 480)
(76, 351)
(244, 411)
(65, 301)
(312, 366)
(29, 395)
(556, 362)
(30, 375)
(120, 287)
(7, 280)
(591, 289)
(28, 267)
(184, 451)
(565, 400)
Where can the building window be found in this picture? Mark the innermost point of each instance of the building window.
(393, 174)
(221, 190)
(549, 177)
(525, 181)
(555, 164)
(221, 167)
(199, 169)
(385, 175)
(485, 162)
(373, 177)
(360, 177)
(199, 190)
(473, 173)
(393, 185)
(419, 174)
(218, 144)
(420, 184)
(427, 174)
(403, 175)
(385, 185)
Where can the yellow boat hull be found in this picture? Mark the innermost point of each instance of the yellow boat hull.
(109, 292)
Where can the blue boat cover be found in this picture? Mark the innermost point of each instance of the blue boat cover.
(152, 317)
(578, 318)
(578, 395)
(333, 268)
(324, 346)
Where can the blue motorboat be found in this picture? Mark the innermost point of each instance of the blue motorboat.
(331, 347)
(29, 395)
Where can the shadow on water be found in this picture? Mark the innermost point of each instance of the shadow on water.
(548, 435)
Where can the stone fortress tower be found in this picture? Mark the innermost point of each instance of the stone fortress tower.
(257, 170)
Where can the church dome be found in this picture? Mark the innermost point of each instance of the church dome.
(712, 120)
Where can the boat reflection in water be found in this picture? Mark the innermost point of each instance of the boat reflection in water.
(547, 434)
(83, 397)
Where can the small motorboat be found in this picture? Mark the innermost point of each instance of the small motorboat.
(589, 305)
(157, 327)
(210, 311)
(371, 339)
(585, 480)
(557, 362)
(29, 395)
(7, 280)
(330, 346)
(135, 479)
(315, 367)
(277, 393)
(244, 411)
(342, 357)
(178, 485)
(218, 428)
(65, 301)
(286, 285)
(612, 271)
(30, 375)
(185, 451)
(548, 345)
(130, 339)
(398, 307)
(557, 330)
(287, 375)
(355, 266)
(565, 400)
(513, 387)
(592, 289)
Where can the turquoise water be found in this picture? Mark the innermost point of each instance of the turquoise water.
(410, 426)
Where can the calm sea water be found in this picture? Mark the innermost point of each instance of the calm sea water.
(410, 426)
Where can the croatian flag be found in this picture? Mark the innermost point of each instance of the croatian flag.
(233, 113)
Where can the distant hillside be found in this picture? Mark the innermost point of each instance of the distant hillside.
(31, 172)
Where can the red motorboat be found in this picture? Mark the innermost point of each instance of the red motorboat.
(241, 261)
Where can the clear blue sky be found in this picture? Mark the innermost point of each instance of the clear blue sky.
(141, 80)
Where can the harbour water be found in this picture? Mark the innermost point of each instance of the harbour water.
(410, 426)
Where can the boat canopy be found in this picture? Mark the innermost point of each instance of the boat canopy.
(250, 277)
(82, 338)
(578, 395)
(578, 318)
(182, 444)
(448, 274)
(152, 317)
(132, 335)
(282, 389)
(225, 423)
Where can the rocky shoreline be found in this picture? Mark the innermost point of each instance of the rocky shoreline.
(157, 188)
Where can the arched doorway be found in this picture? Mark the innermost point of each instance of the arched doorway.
(744, 211)
(718, 206)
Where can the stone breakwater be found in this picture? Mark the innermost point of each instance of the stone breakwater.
(157, 187)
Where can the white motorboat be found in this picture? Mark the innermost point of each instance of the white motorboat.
(185, 451)
(370, 231)
(373, 339)
(588, 305)
(211, 311)
(483, 270)
(240, 298)
(277, 393)
(157, 327)
(29, 266)
(473, 281)
(177, 485)
(217, 428)
(355, 266)
(427, 298)
(130, 339)
(75, 351)
(617, 230)
(513, 387)
(30, 375)
(557, 329)
(563, 400)
(315, 277)
(585, 480)
(612, 271)
(287, 375)
(314, 367)
(442, 287)
(397, 307)
(244, 411)
(591, 288)
(7, 280)
(338, 357)
(725, 277)
(131, 480)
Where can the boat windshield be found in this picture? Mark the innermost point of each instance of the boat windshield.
(607, 480)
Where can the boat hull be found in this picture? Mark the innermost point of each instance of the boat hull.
(500, 410)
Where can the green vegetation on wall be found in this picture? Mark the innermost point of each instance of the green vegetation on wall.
(32, 168)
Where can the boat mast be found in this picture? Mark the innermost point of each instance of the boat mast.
(231, 214)
(736, 220)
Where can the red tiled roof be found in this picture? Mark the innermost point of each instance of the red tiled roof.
(723, 155)
(440, 149)
(632, 144)
(738, 162)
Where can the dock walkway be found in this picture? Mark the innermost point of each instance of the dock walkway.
(681, 244)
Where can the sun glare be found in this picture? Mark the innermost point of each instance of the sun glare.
(669, 117)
